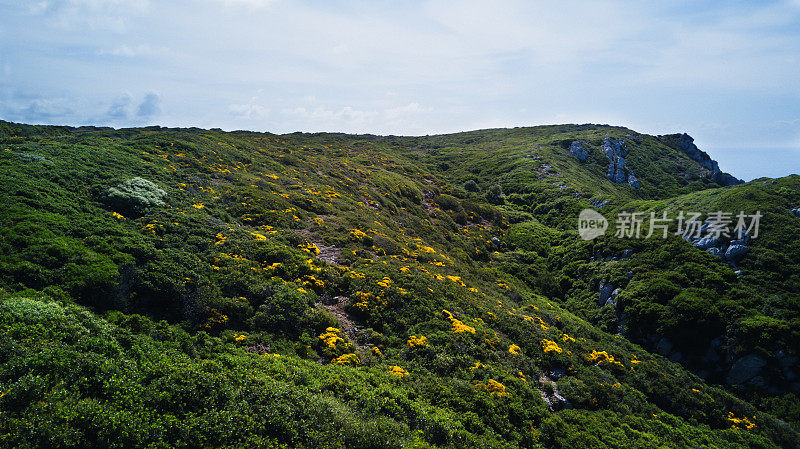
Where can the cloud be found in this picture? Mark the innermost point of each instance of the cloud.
(43, 110)
(136, 50)
(250, 4)
(723, 72)
(150, 105)
(111, 15)
(248, 111)
(120, 107)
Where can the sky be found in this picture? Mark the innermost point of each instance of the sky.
(727, 73)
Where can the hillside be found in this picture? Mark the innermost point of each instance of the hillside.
(170, 287)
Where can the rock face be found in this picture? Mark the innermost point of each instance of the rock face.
(730, 250)
(736, 252)
(685, 143)
(579, 150)
(796, 212)
(745, 369)
(615, 151)
(606, 290)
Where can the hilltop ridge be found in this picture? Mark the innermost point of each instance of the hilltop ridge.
(189, 287)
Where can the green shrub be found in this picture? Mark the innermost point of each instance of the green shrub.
(135, 196)
(495, 195)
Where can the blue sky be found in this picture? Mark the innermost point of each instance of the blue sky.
(728, 73)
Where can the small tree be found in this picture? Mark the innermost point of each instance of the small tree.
(471, 186)
(495, 195)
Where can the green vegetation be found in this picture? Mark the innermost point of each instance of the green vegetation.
(195, 288)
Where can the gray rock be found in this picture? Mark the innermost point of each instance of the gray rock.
(758, 381)
(612, 300)
(632, 181)
(606, 288)
(711, 355)
(614, 150)
(556, 402)
(685, 143)
(627, 254)
(744, 369)
(735, 253)
(796, 212)
(579, 150)
(664, 346)
(714, 252)
(619, 174)
(742, 236)
(495, 241)
(707, 242)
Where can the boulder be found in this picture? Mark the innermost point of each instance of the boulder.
(579, 150)
(685, 143)
(735, 253)
(664, 346)
(742, 236)
(632, 181)
(707, 242)
(615, 151)
(627, 254)
(714, 252)
(744, 369)
(606, 289)
(556, 402)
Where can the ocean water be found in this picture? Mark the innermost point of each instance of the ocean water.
(752, 163)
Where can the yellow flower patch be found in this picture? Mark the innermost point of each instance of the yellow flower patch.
(357, 234)
(495, 388)
(514, 349)
(602, 357)
(458, 325)
(551, 346)
(417, 341)
(331, 337)
(741, 423)
(398, 372)
(347, 359)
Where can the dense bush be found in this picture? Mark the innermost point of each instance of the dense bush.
(135, 196)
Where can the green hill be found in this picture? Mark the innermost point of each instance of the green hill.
(170, 287)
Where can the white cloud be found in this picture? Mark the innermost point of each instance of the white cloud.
(722, 72)
(136, 50)
(250, 4)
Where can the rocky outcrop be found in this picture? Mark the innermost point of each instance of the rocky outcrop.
(615, 151)
(579, 150)
(551, 396)
(606, 292)
(685, 143)
(744, 369)
(729, 249)
(796, 212)
(735, 253)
